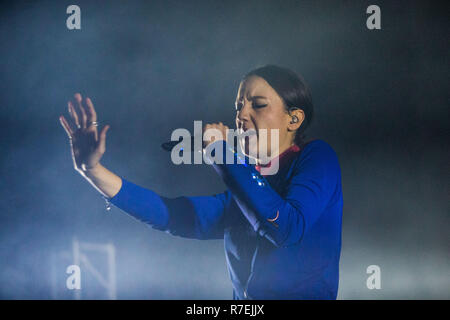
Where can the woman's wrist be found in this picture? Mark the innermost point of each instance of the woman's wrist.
(91, 172)
(105, 181)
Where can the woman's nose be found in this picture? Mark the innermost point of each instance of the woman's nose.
(244, 113)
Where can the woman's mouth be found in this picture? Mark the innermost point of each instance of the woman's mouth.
(246, 131)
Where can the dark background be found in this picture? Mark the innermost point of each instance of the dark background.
(381, 101)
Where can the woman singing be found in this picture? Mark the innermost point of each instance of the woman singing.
(281, 231)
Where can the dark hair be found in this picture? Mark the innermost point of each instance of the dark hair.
(292, 89)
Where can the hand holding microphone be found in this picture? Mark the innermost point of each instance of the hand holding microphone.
(211, 132)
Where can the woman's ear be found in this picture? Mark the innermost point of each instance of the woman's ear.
(297, 116)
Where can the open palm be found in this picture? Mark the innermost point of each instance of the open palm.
(87, 146)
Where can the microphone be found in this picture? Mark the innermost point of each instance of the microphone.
(168, 146)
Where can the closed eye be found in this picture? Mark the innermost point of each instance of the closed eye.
(240, 105)
(259, 106)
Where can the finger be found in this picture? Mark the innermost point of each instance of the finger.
(102, 140)
(66, 126)
(92, 115)
(78, 98)
(73, 114)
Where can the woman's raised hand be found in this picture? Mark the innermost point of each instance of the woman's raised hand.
(87, 146)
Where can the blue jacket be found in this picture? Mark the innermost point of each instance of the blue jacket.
(282, 232)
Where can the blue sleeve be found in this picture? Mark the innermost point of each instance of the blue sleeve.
(199, 217)
(282, 220)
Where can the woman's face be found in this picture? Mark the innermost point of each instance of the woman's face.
(258, 106)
